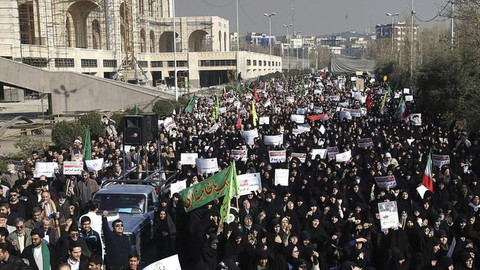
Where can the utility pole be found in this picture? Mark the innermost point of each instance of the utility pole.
(270, 35)
(238, 31)
(411, 43)
(452, 26)
(392, 15)
(175, 50)
(296, 60)
(288, 46)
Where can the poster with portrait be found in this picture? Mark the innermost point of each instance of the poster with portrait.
(388, 215)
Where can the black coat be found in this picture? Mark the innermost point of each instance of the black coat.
(28, 254)
(117, 247)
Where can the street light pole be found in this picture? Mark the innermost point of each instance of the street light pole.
(392, 15)
(411, 42)
(270, 28)
(296, 61)
(270, 34)
(288, 46)
(175, 50)
(238, 31)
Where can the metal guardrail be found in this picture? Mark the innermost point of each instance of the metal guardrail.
(154, 179)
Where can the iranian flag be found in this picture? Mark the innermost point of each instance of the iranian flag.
(402, 110)
(427, 179)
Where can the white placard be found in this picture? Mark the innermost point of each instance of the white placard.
(322, 129)
(421, 190)
(290, 99)
(297, 118)
(188, 158)
(388, 215)
(343, 157)
(303, 128)
(72, 167)
(239, 154)
(264, 120)
(273, 139)
(440, 160)
(178, 186)
(409, 98)
(169, 263)
(207, 165)
(301, 156)
(356, 113)
(222, 110)
(409, 141)
(94, 165)
(365, 142)
(386, 181)
(332, 151)
(45, 168)
(345, 115)
(278, 156)
(281, 177)
(406, 91)
(302, 111)
(249, 136)
(248, 182)
(334, 98)
(322, 153)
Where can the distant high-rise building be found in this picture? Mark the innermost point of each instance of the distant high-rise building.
(399, 30)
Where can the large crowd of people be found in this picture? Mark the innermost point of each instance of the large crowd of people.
(327, 217)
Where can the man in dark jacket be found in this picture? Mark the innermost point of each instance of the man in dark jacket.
(116, 243)
(91, 237)
(8, 259)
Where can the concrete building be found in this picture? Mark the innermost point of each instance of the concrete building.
(96, 37)
(260, 39)
(399, 30)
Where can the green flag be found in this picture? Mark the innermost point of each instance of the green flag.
(135, 110)
(88, 145)
(191, 104)
(215, 112)
(232, 189)
(389, 91)
(209, 189)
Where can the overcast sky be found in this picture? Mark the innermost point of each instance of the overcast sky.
(311, 17)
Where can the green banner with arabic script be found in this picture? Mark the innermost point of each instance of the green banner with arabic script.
(209, 189)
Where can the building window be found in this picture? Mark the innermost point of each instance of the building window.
(89, 63)
(260, 62)
(249, 62)
(254, 62)
(218, 63)
(156, 64)
(179, 63)
(143, 64)
(64, 62)
(36, 62)
(110, 63)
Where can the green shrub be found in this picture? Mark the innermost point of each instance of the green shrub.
(92, 119)
(64, 133)
(27, 145)
(165, 107)
(131, 111)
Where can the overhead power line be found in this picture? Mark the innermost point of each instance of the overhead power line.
(436, 16)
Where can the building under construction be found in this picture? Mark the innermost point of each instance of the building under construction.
(125, 39)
